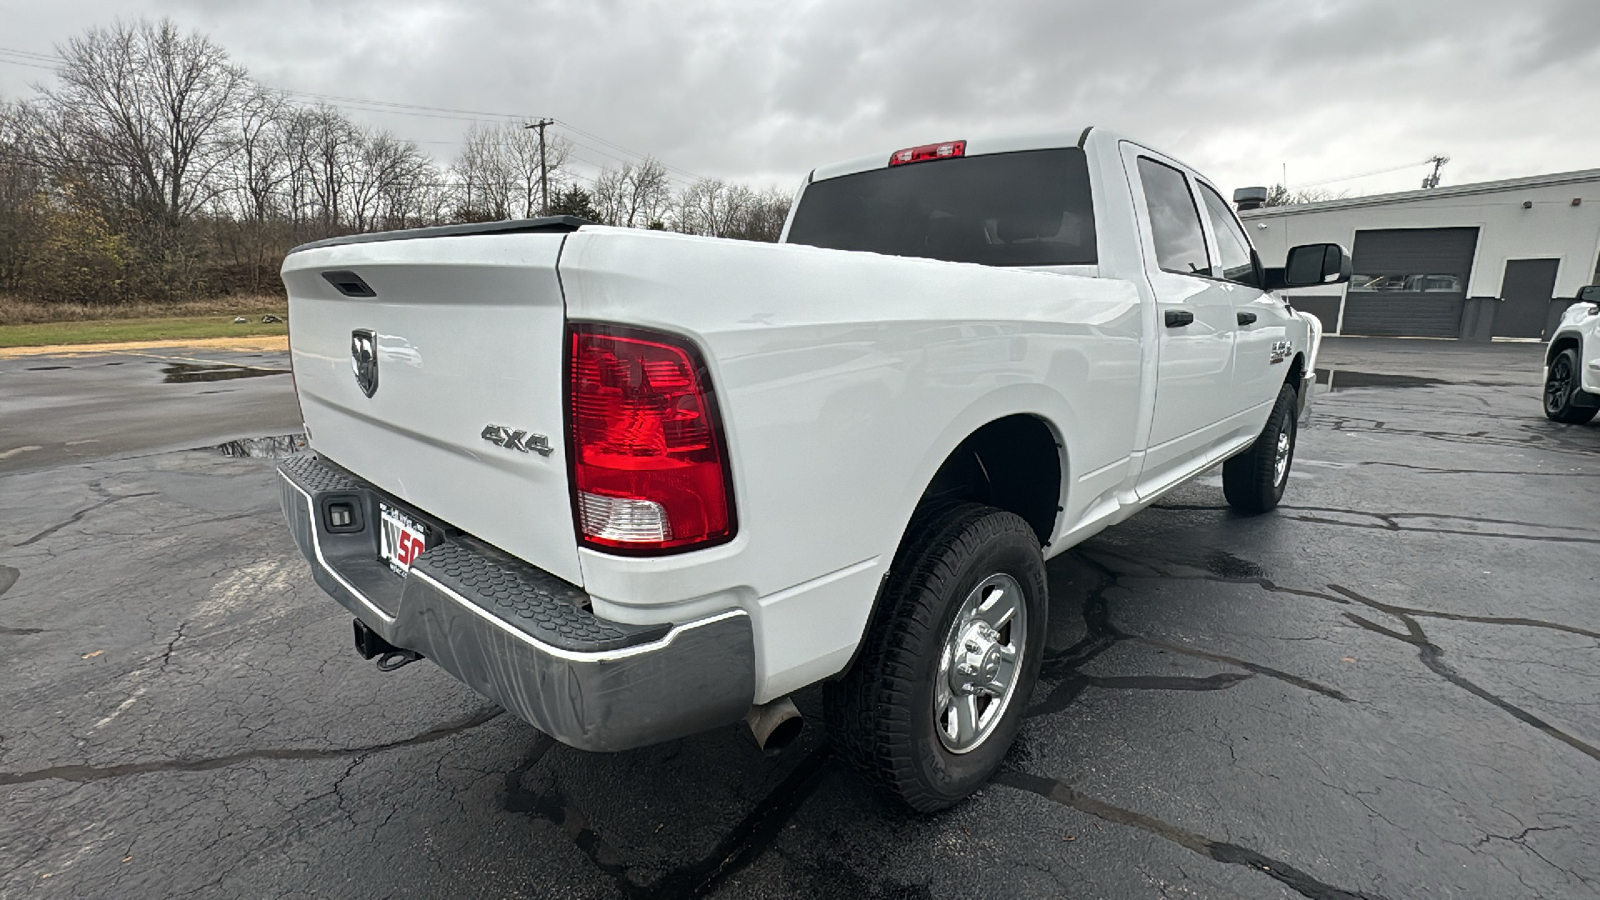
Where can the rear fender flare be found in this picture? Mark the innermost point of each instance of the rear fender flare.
(1033, 400)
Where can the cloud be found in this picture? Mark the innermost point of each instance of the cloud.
(766, 91)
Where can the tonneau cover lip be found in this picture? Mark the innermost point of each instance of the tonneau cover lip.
(546, 224)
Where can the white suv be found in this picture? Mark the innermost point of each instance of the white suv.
(1572, 362)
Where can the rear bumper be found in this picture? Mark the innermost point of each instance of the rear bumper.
(521, 636)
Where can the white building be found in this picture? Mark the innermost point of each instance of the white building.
(1474, 261)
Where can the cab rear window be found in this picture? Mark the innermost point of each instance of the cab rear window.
(1029, 208)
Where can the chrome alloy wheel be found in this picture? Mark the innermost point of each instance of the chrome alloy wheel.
(979, 665)
(1558, 386)
(1280, 462)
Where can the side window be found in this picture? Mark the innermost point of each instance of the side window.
(1233, 245)
(1174, 220)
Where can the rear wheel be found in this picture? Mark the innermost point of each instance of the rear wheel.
(948, 663)
(1253, 481)
(1562, 391)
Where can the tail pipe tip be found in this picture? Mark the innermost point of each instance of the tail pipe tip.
(775, 725)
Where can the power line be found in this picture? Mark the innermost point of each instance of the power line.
(678, 178)
(31, 65)
(571, 127)
(1411, 165)
(391, 107)
(442, 109)
(44, 56)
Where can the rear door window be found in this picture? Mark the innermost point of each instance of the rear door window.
(1180, 244)
(1233, 245)
(1029, 208)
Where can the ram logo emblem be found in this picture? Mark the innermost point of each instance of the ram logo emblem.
(364, 359)
(1281, 350)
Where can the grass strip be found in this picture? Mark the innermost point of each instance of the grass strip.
(104, 331)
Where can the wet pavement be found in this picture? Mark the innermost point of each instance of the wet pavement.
(1387, 688)
(95, 406)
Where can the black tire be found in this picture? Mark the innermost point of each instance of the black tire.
(1252, 481)
(881, 713)
(1562, 391)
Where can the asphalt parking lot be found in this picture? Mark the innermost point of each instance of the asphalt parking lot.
(1387, 688)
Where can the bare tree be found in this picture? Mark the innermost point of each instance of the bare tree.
(260, 157)
(633, 196)
(651, 195)
(608, 191)
(393, 183)
(332, 155)
(150, 110)
(498, 171)
(764, 216)
(713, 207)
(484, 176)
(1278, 195)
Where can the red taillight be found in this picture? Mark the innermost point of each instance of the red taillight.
(649, 467)
(946, 150)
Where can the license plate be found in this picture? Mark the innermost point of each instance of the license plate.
(402, 538)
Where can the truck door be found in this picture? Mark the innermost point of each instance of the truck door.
(1262, 321)
(1195, 322)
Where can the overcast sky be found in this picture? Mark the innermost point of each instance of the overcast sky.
(765, 91)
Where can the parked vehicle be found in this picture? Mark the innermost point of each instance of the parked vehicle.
(1572, 362)
(634, 485)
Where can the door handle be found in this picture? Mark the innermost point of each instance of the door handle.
(1247, 318)
(1177, 318)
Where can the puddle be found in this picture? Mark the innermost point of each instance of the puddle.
(1344, 379)
(1225, 565)
(189, 373)
(273, 447)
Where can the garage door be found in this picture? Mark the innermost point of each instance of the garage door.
(1409, 281)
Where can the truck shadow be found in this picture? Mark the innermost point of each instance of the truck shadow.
(682, 818)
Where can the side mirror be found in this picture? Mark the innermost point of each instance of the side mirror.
(1590, 294)
(1310, 265)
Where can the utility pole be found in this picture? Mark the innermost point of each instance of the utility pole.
(544, 172)
(1432, 181)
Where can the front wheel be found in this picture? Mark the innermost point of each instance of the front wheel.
(948, 663)
(1562, 392)
(1253, 481)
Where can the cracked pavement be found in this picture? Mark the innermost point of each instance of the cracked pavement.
(1386, 688)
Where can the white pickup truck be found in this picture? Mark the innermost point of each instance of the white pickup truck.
(634, 485)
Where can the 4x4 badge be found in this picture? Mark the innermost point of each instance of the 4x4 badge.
(364, 359)
(517, 440)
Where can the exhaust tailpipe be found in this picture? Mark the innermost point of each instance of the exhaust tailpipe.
(775, 725)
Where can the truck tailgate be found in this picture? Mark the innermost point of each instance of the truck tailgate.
(468, 333)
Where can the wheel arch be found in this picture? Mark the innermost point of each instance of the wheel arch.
(1014, 463)
(1302, 381)
(1297, 371)
(1024, 449)
(1563, 341)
